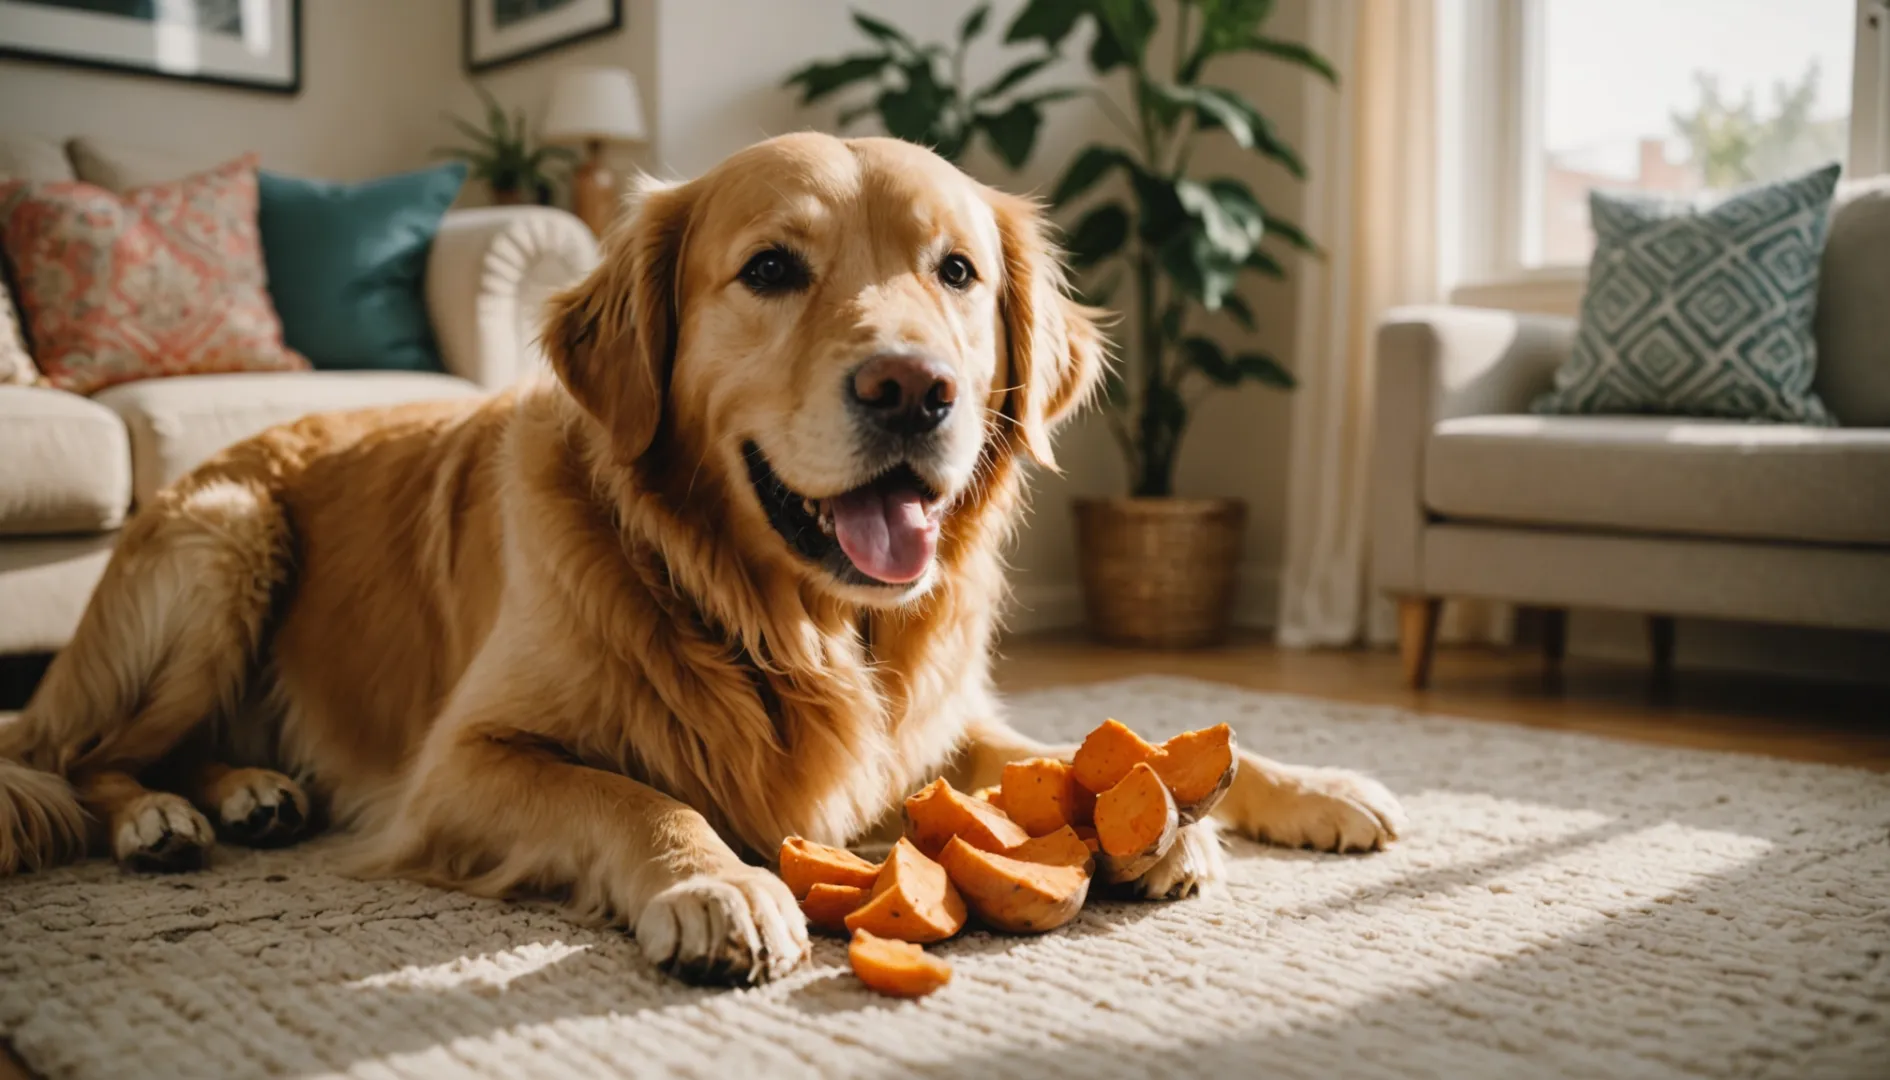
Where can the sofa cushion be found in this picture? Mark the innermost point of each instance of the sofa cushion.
(29, 157)
(1663, 475)
(1701, 307)
(177, 423)
(1853, 349)
(119, 167)
(162, 280)
(347, 265)
(65, 464)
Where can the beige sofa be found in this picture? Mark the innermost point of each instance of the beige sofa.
(72, 469)
(1472, 496)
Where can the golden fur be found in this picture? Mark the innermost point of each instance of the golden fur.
(549, 642)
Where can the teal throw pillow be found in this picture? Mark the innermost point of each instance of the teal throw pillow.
(347, 265)
(1701, 308)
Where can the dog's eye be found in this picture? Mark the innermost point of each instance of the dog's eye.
(775, 270)
(957, 271)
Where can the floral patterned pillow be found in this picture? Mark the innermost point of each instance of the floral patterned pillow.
(161, 280)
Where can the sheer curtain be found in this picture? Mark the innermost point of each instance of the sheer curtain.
(1372, 155)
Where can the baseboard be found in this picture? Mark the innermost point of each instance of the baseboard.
(1058, 605)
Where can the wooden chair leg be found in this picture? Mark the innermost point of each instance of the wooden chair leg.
(1554, 636)
(1417, 637)
(1660, 643)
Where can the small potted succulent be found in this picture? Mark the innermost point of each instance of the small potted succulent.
(502, 155)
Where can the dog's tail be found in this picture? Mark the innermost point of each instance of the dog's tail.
(166, 644)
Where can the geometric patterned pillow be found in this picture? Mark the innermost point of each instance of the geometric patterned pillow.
(161, 280)
(16, 364)
(1702, 308)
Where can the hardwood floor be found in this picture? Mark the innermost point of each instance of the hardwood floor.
(1837, 724)
(1805, 721)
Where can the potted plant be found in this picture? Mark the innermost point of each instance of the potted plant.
(502, 155)
(922, 94)
(1158, 570)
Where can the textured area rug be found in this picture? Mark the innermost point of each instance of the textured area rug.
(1564, 906)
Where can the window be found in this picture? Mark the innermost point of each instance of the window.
(1556, 98)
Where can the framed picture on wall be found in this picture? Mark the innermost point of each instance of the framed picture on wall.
(500, 32)
(253, 44)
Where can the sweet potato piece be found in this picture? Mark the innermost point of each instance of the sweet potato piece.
(1198, 767)
(1061, 848)
(938, 812)
(1087, 834)
(805, 864)
(1017, 895)
(1107, 755)
(993, 795)
(1135, 825)
(827, 906)
(1043, 796)
(896, 968)
(912, 901)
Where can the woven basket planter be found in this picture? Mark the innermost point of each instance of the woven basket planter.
(1159, 573)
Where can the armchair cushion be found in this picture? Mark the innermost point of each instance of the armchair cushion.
(1663, 475)
(1702, 309)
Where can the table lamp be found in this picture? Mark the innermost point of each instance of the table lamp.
(594, 106)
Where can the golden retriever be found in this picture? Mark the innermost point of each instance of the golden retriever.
(732, 575)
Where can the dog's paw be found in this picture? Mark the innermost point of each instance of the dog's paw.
(261, 808)
(739, 926)
(1322, 809)
(162, 833)
(1193, 865)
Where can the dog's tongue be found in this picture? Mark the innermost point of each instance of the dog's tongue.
(884, 530)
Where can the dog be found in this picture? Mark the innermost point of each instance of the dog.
(729, 573)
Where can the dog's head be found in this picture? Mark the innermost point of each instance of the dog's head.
(838, 330)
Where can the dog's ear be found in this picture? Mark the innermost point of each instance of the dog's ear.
(1057, 350)
(612, 337)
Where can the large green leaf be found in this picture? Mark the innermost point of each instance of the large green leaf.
(1048, 21)
(1015, 75)
(1235, 306)
(973, 23)
(1259, 259)
(1207, 358)
(1224, 25)
(1123, 30)
(1013, 132)
(1162, 215)
(1292, 234)
(1086, 170)
(819, 80)
(1293, 53)
(1216, 107)
(1233, 233)
(1237, 201)
(884, 31)
(1198, 268)
(1262, 368)
(914, 111)
(1100, 234)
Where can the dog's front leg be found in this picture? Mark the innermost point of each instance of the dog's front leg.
(498, 810)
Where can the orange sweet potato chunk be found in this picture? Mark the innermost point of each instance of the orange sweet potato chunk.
(896, 968)
(1107, 755)
(993, 795)
(1017, 895)
(1087, 834)
(1135, 824)
(1197, 765)
(827, 906)
(1043, 796)
(1065, 847)
(938, 812)
(805, 864)
(912, 901)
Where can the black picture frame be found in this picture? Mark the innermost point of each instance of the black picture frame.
(14, 51)
(468, 13)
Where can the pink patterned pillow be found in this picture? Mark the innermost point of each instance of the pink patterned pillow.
(160, 280)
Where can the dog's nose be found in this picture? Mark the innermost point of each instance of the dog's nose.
(904, 394)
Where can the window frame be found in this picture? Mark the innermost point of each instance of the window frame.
(1491, 95)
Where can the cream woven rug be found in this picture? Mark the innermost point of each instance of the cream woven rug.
(1564, 906)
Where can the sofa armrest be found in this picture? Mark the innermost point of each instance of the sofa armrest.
(1436, 363)
(488, 277)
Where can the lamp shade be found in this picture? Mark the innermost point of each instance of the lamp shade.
(594, 103)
